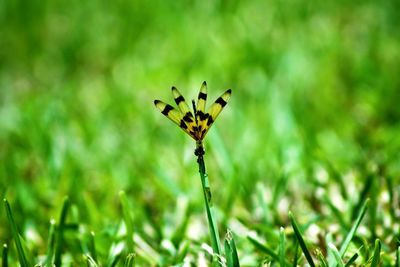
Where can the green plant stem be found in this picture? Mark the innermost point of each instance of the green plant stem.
(212, 224)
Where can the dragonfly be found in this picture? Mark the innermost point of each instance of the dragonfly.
(195, 124)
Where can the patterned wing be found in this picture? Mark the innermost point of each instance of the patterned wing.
(201, 115)
(188, 117)
(176, 116)
(216, 109)
(180, 101)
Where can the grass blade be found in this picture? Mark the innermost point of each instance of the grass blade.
(376, 257)
(230, 250)
(354, 228)
(363, 196)
(90, 261)
(115, 254)
(265, 249)
(126, 210)
(228, 256)
(329, 254)
(296, 255)
(351, 260)
(336, 254)
(321, 259)
(4, 258)
(282, 247)
(130, 260)
(60, 232)
(350, 235)
(183, 221)
(398, 257)
(92, 246)
(114, 260)
(389, 187)
(301, 240)
(50, 244)
(14, 230)
(235, 256)
(335, 212)
(182, 252)
(337, 177)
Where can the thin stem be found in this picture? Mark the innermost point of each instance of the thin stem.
(212, 224)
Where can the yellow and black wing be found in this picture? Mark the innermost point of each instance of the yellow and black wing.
(201, 115)
(216, 109)
(196, 125)
(182, 117)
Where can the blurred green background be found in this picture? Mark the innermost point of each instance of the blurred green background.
(316, 90)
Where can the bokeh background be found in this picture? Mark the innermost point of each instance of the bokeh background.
(315, 108)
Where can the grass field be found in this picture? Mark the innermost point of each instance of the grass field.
(303, 162)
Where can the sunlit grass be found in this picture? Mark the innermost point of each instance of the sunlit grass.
(312, 128)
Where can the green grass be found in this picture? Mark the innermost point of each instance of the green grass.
(311, 127)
